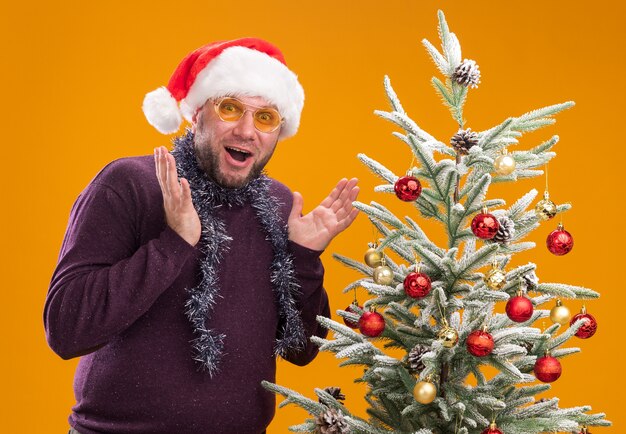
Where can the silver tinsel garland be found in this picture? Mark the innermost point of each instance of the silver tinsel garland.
(207, 196)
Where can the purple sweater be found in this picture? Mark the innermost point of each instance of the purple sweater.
(117, 298)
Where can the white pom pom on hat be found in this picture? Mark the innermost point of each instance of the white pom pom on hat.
(161, 110)
(247, 66)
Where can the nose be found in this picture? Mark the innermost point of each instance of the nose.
(244, 128)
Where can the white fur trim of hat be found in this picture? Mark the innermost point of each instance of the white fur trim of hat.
(236, 70)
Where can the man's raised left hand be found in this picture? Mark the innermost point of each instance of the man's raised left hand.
(316, 229)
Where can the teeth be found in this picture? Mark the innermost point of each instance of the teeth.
(238, 150)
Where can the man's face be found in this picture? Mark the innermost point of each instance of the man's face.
(216, 143)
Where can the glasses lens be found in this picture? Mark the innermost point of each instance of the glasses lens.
(266, 120)
(229, 109)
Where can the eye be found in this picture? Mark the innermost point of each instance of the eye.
(266, 117)
(230, 107)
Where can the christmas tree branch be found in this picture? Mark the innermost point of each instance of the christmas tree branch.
(514, 127)
(376, 212)
(351, 263)
(567, 291)
(377, 168)
(545, 146)
(393, 98)
(329, 401)
(440, 62)
(351, 286)
(293, 397)
(433, 144)
(307, 427)
(419, 235)
(521, 204)
(430, 169)
(449, 43)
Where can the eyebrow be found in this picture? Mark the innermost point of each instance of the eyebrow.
(243, 102)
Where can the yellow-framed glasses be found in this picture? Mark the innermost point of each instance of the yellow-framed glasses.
(266, 119)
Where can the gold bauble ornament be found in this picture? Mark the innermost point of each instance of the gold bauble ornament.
(545, 208)
(424, 392)
(373, 257)
(495, 278)
(504, 164)
(448, 336)
(383, 275)
(560, 314)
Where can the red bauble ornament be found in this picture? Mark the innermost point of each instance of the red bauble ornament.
(408, 188)
(352, 324)
(371, 324)
(560, 242)
(547, 369)
(479, 343)
(590, 326)
(493, 429)
(417, 285)
(519, 308)
(485, 226)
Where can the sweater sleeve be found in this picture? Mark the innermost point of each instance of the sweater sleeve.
(312, 301)
(103, 281)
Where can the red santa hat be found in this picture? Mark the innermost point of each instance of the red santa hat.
(247, 66)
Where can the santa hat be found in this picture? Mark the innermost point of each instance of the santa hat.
(246, 67)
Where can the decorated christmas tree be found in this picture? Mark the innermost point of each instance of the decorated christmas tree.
(436, 306)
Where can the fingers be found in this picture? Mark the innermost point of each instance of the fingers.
(158, 166)
(347, 207)
(334, 194)
(186, 193)
(343, 224)
(161, 159)
(167, 176)
(344, 195)
(296, 207)
(171, 179)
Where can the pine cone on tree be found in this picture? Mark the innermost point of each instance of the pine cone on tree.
(530, 280)
(464, 140)
(335, 392)
(529, 346)
(467, 74)
(506, 231)
(331, 422)
(415, 359)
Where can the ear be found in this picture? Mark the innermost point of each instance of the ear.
(194, 121)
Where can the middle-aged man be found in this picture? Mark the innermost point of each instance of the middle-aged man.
(183, 275)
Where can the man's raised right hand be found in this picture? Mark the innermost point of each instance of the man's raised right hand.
(180, 213)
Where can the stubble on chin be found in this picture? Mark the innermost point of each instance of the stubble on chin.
(208, 160)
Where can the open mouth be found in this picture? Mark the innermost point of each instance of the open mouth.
(238, 154)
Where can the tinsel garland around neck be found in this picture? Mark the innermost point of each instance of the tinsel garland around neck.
(207, 197)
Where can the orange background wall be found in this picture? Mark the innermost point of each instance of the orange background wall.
(74, 74)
